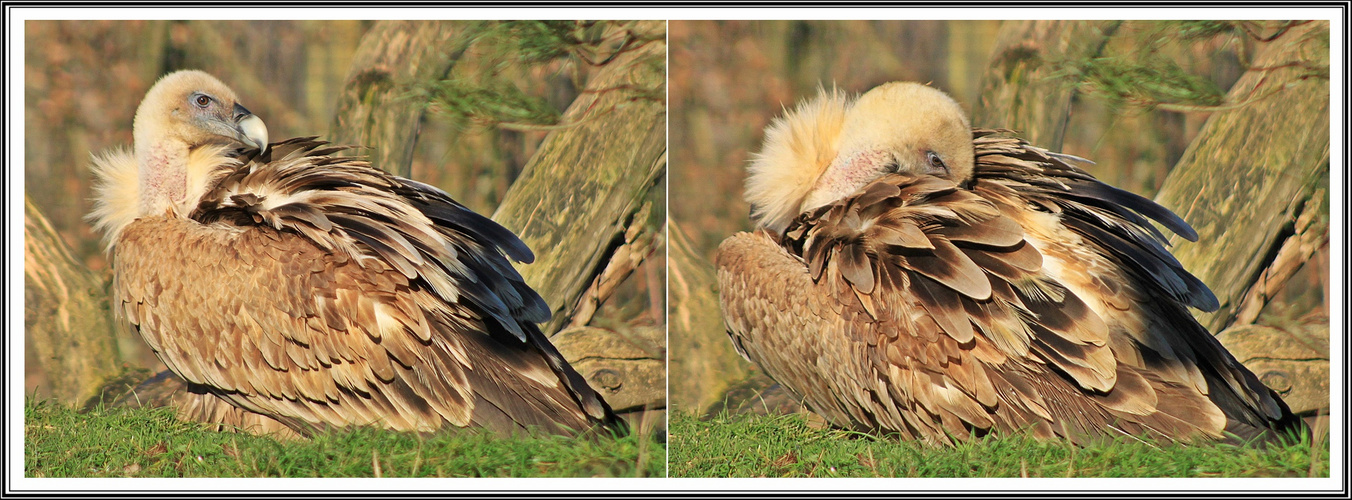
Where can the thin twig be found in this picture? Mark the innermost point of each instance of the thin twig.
(375, 462)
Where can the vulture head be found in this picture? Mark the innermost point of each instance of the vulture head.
(183, 112)
(194, 108)
(831, 146)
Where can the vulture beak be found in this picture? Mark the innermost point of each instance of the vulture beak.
(249, 129)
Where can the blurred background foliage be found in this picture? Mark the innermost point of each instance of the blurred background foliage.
(1137, 102)
(486, 119)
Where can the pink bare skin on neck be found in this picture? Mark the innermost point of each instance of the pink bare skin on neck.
(163, 175)
(846, 175)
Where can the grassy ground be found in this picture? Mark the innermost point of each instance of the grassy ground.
(60, 442)
(787, 446)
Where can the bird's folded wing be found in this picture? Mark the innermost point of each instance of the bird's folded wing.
(1119, 258)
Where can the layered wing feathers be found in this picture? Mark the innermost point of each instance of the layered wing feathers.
(1114, 218)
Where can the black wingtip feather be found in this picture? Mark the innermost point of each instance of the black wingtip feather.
(1200, 295)
(1168, 273)
(1155, 211)
(439, 206)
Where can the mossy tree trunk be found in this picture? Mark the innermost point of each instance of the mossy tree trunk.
(70, 347)
(580, 197)
(1254, 183)
(1020, 90)
(589, 204)
(373, 109)
(1254, 170)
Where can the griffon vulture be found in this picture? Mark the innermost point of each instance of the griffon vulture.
(911, 275)
(296, 290)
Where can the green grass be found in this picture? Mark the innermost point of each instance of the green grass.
(787, 446)
(120, 442)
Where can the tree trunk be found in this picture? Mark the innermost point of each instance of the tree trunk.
(1292, 361)
(1254, 170)
(1254, 185)
(628, 367)
(1020, 91)
(706, 365)
(578, 198)
(70, 348)
(374, 110)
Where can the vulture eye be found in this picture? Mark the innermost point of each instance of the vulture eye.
(936, 164)
(202, 100)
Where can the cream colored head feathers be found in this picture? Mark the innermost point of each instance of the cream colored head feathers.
(194, 108)
(831, 146)
(183, 129)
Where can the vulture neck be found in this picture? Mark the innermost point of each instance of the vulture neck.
(849, 172)
(162, 162)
